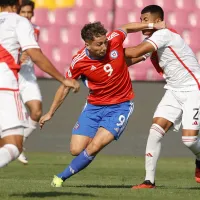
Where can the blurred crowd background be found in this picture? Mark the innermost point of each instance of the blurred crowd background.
(61, 21)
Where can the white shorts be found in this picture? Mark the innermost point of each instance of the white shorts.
(29, 88)
(12, 111)
(180, 108)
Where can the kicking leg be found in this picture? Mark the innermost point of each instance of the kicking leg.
(102, 138)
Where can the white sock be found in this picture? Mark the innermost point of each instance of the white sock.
(193, 143)
(30, 129)
(153, 151)
(8, 153)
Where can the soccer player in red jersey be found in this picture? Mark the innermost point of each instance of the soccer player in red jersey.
(103, 69)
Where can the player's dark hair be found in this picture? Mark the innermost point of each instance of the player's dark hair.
(5, 3)
(155, 9)
(26, 3)
(91, 30)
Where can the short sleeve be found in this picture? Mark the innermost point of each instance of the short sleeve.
(159, 39)
(117, 36)
(73, 72)
(25, 34)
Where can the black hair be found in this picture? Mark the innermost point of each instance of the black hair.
(26, 3)
(154, 9)
(5, 3)
(91, 30)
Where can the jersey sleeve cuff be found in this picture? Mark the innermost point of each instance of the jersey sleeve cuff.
(153, 43)
(30, 47)
(125, 34)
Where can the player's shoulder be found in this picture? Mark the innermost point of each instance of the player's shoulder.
(115, 33)
(78, 57)
(36, 27)
(163, 32)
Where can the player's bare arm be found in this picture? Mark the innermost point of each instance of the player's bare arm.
(132, 61)
(44, 64)
(61, 94)
(140, 50)
(137, 26)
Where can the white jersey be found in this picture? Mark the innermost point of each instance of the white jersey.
(27, 68)
(16, 33)
(175, 60)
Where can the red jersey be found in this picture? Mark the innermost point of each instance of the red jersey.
(107, 79)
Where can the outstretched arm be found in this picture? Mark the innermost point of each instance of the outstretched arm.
(138, 26)
(140, 50)
(61, 94)
(132, 61)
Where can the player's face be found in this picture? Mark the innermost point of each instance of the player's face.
(27, 12)
(149, 18)
(98, 47)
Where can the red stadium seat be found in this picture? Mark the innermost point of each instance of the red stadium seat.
(105, 17)
(178, 19)
(106, 5)
(67, 52)
(72, 37)
(140, 4)
(185, 5)
(167, 6)
(61, 16)
(133, 39)
(88, 4)
(123, 16)
(41, 17)
(192, 38)
(124, 4)
(194, 19)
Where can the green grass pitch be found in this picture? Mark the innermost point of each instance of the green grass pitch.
(108, 177)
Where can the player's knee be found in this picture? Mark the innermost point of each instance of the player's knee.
(36, 114)
(94, 148)
(13, 150)
(189, 141)
(75, 151)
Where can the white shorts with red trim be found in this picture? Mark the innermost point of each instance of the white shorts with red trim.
(12, 111)
(180, 108)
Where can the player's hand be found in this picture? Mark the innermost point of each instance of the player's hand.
(24, 57)
(72, 83)
(160, 25)
(44, 119)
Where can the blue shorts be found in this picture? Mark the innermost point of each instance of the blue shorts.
(113, 118)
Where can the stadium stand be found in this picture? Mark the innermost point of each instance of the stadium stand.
(61, 22)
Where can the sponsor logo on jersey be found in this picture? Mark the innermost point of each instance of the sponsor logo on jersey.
(93, 68)
(114, 54)
(114, 34)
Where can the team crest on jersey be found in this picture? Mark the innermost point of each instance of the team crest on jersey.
(114, 54)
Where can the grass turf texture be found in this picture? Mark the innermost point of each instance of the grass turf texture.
(108, 177)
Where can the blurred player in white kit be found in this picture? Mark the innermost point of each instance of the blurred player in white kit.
(180, 105)
(17, 33)
(28, 86)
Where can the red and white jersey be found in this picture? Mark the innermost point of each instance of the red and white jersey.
(175, 60)
(108, 79)
(16, 33)
(27, 67)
